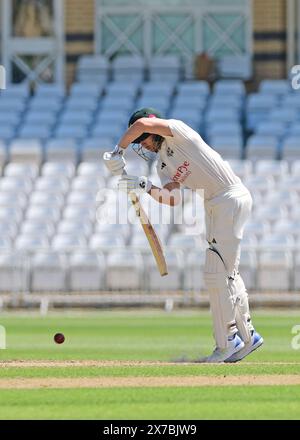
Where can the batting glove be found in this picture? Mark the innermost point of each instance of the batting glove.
(115, 161)
(138, 185)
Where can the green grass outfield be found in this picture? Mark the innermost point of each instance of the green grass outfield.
(118, 365)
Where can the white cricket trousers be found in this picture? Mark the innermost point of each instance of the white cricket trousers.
(226, 215)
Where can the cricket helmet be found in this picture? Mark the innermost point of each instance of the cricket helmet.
(145, 112)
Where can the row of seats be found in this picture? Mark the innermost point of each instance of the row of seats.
(70, 149)
(128, 269)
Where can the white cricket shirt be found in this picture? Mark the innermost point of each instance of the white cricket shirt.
(187, 159)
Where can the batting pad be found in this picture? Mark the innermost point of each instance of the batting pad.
(242, 313)
(221, 300)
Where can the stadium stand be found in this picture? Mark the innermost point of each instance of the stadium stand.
(50, 158)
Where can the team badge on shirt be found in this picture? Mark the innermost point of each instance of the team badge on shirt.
(170, 152)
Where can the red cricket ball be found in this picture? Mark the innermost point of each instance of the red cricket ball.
(59, 338)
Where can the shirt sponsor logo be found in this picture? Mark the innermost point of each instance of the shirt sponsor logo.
(182, 172)
(163, 165)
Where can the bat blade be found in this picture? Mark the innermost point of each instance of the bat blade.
(151, 235)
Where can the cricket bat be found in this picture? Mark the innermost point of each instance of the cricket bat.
(151, 235)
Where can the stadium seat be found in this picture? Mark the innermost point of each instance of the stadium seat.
(283, 197)
(193, 271)
(29, 242)
(43, 213)
(189, 116)
(130, 68)
(110, 103)
(81, 198)
(92, 149)
(14, 272)
(15, 105)
(229, 147)
(11, 119)
(193, 102)
(48, 272)
(61, 150)
(16, 91)
(296, 272)
(276, 168)
(37, 228)
(271, 128)
(7, 132)
(90, 169)
(21, 170)
(107, 241)
(277, 241)
(72, 130)
(270, 213)
(290, 148)
(68, 242)
(41, 198)
(242, 168)
(291, 183)
(5, 243)
(161, 103)
(26, 150)
(275, 86)
(262, 147)
(274, 271)
(73, 117)
(58, 169)
(52, 185)
(287, 226)
(248, 268)
(258, 107)
(80, 213)
(47, 118)
(43, 104)
(86, 271)
(283, 115)
(233, 129)
(173, 281)
(235, 66)
(229, 87)
(3, 154)
(180, 241)
(295, 168)
(190, 89)
(165, 68)
(33, 131)
(50, 91)
(72, 227)
(8, 229)
(88, 184)
(257, 228)
(15, 184)
(124, 270)
(93, 69)
(82, 89)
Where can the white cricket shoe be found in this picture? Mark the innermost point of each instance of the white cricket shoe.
(220, 355)
(255, 342)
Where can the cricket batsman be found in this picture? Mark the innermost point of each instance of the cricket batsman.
(185, 159)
